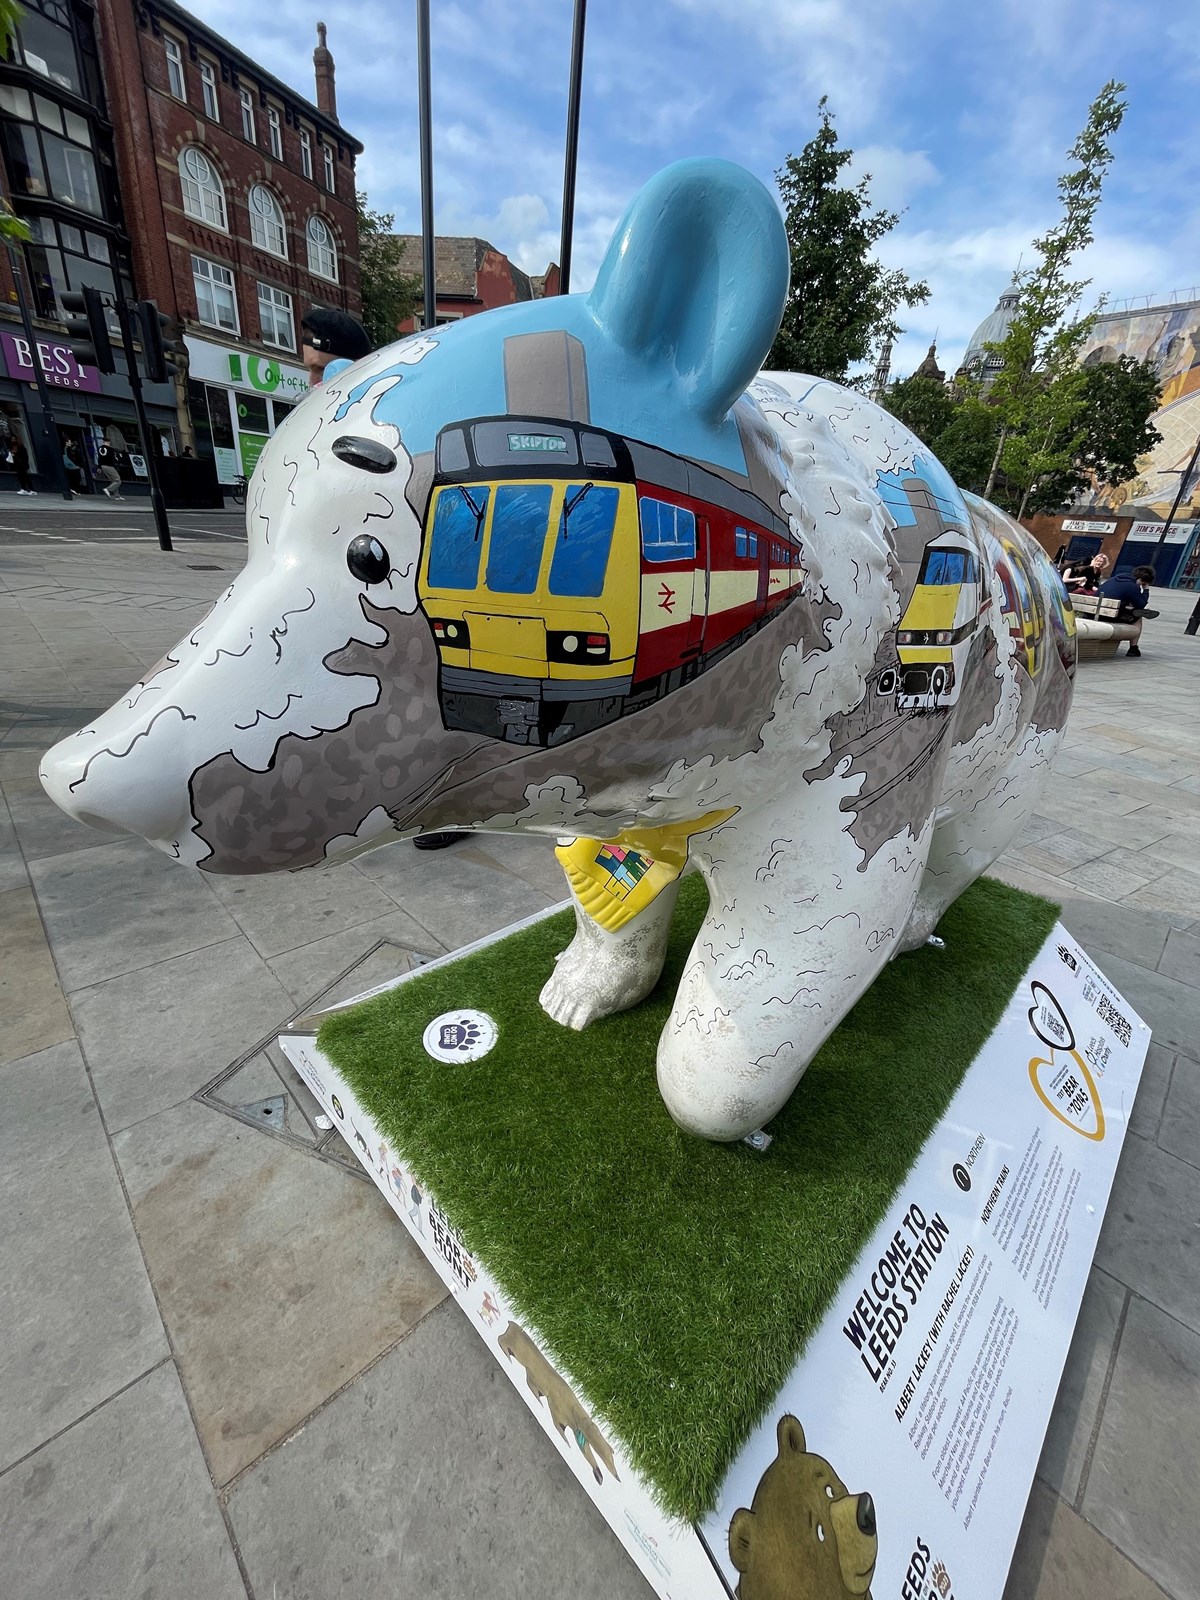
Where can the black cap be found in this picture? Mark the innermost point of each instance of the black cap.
(335, 333)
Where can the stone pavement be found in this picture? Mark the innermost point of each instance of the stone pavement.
(225, 1368)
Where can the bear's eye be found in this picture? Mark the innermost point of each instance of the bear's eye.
(367, 559)
(829, 1490)
(369, 455)
(820, 1533)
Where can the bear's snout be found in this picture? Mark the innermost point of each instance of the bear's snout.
(864, 1515)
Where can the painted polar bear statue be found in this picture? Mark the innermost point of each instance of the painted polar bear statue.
(571, 568)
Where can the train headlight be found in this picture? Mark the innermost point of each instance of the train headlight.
(904, 637)
(455, 634)
(944, 637)
(570, 643)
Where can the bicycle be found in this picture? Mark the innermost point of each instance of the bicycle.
(237, 490)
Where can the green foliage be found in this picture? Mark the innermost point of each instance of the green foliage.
(11, 226)
(923, 405)
(841, 302)
(1036, 393)
(389, 295)
(1119, 399)
(676, 1281)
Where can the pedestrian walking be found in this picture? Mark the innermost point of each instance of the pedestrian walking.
(110, 478)
(20, 461)
(73, 465)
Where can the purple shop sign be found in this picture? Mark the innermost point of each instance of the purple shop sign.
(59, 367)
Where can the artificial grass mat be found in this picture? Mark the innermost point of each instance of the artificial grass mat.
(677, 1281)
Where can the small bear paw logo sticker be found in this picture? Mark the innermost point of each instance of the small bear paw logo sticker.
(460, 1036)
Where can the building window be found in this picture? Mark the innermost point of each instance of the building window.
(216, 303)
(174, 68)
(305, 152)
(44, 44)
(54, 159)
(248, 129)
(274, 134)
(266, 222)
(60, 256)
(330, 183)
(275, 317)
(208, 90)
(322, 252)
(203, 196)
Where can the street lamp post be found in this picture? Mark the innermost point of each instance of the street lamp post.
(574, 96)
(1184, 476)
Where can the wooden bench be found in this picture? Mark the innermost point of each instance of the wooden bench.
(1097, 628)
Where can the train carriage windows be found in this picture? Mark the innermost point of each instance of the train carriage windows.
(668, 532)
(741, 542)
(754, 546)
(456, 538)
(519, 525)
(585, 531)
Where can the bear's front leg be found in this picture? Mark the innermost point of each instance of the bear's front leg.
(602, 971)
(799, 924)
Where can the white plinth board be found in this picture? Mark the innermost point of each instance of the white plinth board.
(930, 1381)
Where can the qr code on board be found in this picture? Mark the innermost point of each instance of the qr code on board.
(1116, 1020)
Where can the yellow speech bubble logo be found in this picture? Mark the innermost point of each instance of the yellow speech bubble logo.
(1073, 1093)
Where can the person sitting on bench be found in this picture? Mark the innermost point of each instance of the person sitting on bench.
(1132, 591)
(1084, 575)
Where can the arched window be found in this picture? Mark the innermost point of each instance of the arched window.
(203, 196)
(266, 222)
(322, 252)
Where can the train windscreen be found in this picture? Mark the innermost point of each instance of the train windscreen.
(457, 537)
(585, 531)
(947, 566)
(507, 443)
(519, 525)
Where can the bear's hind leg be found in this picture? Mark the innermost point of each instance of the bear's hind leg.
(965, 845)
(602, 971)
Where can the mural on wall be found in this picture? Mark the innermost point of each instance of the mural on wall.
(571, 568)
(1170, 337)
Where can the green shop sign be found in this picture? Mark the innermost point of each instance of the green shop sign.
(265, 375)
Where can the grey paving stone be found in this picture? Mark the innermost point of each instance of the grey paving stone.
(1133, 934)
(1152, 1092)
(282, 910)
(1180, 1129)
(456, 894)
(1077, 1407)
(1142, 1490)
(1181, 959)
(526, 856)
(1105, 878)
(1172, 1009)
(77, 1315)
(1059, 1557)
(279, 1277)
(154, 1036)
(1151, 1234)
(123, 905)
(313, 969)
(1063, 852)
(33, 1013)
(119, 1507)
(446, 1488)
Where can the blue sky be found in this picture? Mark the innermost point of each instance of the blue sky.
(962, 113)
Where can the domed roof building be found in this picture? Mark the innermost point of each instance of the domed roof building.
(984, 364)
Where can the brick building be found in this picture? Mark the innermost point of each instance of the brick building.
(239, 195)
(472, 276)
(59, 174)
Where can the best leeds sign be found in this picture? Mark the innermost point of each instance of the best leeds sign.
(59, 367)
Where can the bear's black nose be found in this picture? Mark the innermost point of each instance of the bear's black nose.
(865, 1515)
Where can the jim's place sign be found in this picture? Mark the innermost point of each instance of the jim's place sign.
(59, 367)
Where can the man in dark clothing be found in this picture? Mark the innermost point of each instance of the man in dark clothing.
(1133, 592)
(327, 336)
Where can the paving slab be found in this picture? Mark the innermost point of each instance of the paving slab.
(1136, 935)
(1151, 1234)
(1180, 1130)
(280, 1278)
(33, 1012)
(154, 1036)
(428, 1477)
(1059, 1556)
(120, 1506)
(1081, 1391)
(77, 1314)
(1152, 1091)
(1170, 1008)
(1181, 959)
(1143, 1491)
(119, 906)
(308, 970)
(281, 910)
(457, 894)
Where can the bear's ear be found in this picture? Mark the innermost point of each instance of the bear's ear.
(790, 1436)
(696, 276)
(740, 1531)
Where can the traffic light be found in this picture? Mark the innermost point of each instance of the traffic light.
(162, 347)
(88, 329)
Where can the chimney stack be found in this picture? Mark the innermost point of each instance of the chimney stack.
(323, 66)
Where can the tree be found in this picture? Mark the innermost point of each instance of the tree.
(389, 295)
(1037, 393)
(923, 405)
(954, 420)
(1119, 399)
(841, 301)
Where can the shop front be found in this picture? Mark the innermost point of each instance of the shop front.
(237, 399)
(90, 409)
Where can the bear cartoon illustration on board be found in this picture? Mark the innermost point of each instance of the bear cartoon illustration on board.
(574, 568)
(568, 1416)
(804, 1537)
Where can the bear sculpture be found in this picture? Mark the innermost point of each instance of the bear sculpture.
(571, 568)
(805, 1537)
